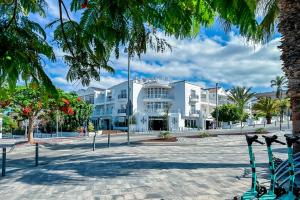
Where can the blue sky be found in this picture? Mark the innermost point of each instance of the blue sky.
(211, 57)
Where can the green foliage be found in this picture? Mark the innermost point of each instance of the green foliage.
(279, 83)
(106, 26)
(203, 135)
(23, 44)
(261, 130)
(227, 113)
(91, 127)
(71, 116)
(132, 119)
(240, 97)
(28, 101)
(9, 124)
(266, 106)
(165, 134)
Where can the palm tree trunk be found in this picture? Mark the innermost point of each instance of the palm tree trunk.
(269, 120)
(289, 27)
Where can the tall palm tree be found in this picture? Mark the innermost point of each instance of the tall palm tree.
(266, 106)
(279, 83)
(284, 14)
(240, 96)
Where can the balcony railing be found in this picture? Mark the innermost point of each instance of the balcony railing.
(194, 98)
(122, 110)
(109, 112)
(192, 112)
(122, 96)
(154, 96)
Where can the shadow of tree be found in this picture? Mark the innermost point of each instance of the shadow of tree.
(109, 167)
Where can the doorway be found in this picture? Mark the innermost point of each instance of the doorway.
(156, 124)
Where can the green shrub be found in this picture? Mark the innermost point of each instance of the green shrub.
(261, 130)
(91, 127)
(165, 134)
(203, 134)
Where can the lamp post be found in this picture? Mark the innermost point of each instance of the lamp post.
(217, 111)
(128, 96)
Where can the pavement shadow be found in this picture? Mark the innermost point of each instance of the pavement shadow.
(110, 167)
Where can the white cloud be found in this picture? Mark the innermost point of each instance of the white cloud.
(235, 63)
(203, 61)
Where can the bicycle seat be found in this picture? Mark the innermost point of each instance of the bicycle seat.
(291, 139)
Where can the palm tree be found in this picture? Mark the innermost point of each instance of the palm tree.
(266, 106)
(279, 83)
(240, 96)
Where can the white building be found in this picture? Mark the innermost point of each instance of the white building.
(188, 105)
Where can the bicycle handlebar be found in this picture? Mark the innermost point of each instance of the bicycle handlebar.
(291, 139)
(253, 138)
(279, 142)
(271, 139)
(257, 141)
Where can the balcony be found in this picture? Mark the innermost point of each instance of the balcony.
(194, 113)
(122, 96)
(102, 113)
(194, 98)
(122, 110)
(158, 98)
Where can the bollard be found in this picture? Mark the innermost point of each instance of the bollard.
(108, 140)
(94, 142)
(264, 124)
(3, 161)
(36, 154)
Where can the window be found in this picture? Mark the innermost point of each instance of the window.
(89, 99)
(193, 93)
(193, 109)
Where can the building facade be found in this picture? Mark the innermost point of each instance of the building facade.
(157, 104)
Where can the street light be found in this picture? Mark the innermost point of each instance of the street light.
(128, 112)
(217, 111)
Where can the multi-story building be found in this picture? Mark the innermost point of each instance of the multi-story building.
(154, 101)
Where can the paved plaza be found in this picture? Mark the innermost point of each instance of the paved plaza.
(207, 168)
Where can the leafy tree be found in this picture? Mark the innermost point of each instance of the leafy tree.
(267, 107)
(240, 96)
(28, 102)
(9, 124)
(227, 113)
(23, 43)
(71, 111)
(91, 127)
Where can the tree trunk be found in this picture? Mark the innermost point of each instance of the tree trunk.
(281, 119)
(30, 130)
(269, 120)
(289, 27)
(241, 126)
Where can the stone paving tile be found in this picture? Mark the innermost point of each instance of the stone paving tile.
(211, 168)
